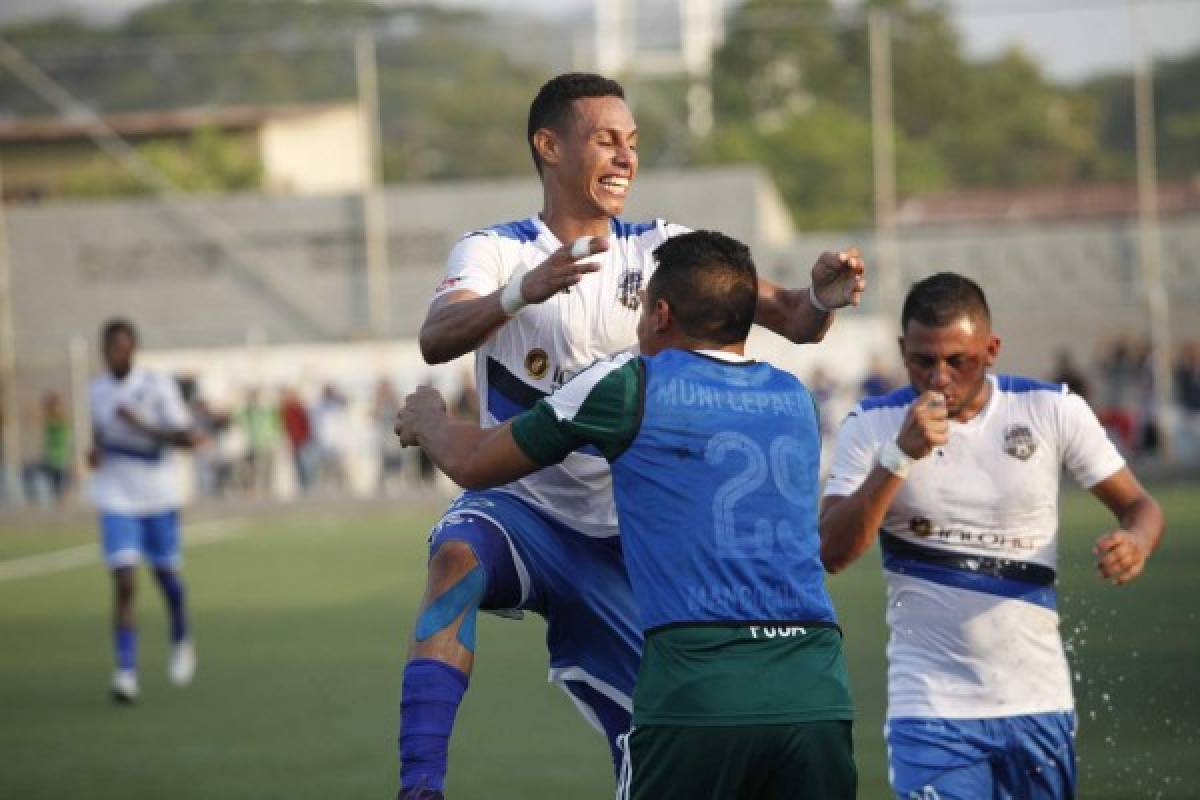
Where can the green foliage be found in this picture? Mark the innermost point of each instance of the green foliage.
(790, 88)
(792, 91)
(821, 161)
(207, 161)
(1176, 111)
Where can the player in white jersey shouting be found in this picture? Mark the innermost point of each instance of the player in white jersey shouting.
(137, 416)
(959, 475)
(539, 303)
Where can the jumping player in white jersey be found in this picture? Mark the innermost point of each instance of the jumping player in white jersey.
(137, 416)
(959, 476)
(540, 300)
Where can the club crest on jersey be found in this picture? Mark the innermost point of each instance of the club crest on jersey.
(921, 526)
(1019, 442)
(628, 288)
(537, 362)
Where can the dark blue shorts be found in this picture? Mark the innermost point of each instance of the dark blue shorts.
(1023, 758)
(579, 584)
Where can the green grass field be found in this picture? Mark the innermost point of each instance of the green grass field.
(301, 623)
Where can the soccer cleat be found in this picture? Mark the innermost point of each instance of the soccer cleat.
(182, 665)
(124, 686)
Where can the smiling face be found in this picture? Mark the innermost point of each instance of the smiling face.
(952, 359)
(592, 162)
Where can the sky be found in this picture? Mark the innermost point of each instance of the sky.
(1072, 39)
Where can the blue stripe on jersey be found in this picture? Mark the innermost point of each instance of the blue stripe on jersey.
(1035, 583)
(152, 456)
(1042, 596)
(897, 399)
(625, 230)
(522, 230)
(509, 396)
(1018, 385)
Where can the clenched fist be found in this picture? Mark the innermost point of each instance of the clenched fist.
(839, 279)
(422, 408)
(926, 426)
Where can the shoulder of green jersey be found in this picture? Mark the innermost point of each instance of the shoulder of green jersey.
(571, 396)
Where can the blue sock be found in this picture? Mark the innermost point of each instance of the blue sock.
(172, 589)
(432, 693)
(125, 643)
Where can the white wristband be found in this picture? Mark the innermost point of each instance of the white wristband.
(895, 460)
(817, 304)
(511, 299)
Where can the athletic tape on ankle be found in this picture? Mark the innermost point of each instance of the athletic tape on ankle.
(441, 613)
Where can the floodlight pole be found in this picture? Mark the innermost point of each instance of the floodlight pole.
(883, 148)
(379, 291)
(1150, 253)
(81, 416)
(11, 432)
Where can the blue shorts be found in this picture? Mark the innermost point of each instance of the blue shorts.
(1025, 758)
(579, 584)
(127, 538)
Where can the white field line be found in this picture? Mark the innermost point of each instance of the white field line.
(195, 535)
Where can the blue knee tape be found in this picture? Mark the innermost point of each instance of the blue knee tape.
(490, 546)
(462, 597)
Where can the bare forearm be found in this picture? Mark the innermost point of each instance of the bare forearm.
(1144, 519)
(451, 444)
(849, 524)
(790, 313)
(454, 329)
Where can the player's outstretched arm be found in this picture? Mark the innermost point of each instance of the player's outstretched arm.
(850, 523)
(459, 322)
(472, 457)
(1121, 554)
(804, 315)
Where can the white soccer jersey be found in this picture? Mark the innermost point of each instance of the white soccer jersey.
(136, 476)
(546, 344)
(970, 548)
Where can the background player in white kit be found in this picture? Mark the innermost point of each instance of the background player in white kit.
(137, 416)
(959, 475)
(536, 315)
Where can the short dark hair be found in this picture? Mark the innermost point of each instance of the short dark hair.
(942, 298)
(115, 326)
(555, 101)
(709, 281)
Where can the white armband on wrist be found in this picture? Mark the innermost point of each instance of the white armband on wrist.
(895, 460)
(511, 299)
(817, 304)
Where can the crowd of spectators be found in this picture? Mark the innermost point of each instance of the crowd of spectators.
(275, 442)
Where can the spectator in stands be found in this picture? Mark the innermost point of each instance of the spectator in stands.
(392, 456)
(50, 475)
(824, 388)
(211, 473)
(1066, 372)
(878, 380)
(260, 422)
(1187, 377)
(1118, 378)
(331, 427)
(298, 429)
